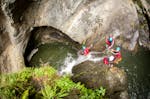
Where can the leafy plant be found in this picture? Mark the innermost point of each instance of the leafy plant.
(100, 92)
(49, 71)
(48, 92)
(25, 94)
(48, 85)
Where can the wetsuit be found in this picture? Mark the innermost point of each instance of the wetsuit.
(118, 57)
(108, 42)
(106, 60)
(86, 51)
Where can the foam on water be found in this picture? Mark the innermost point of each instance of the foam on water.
(70, 62)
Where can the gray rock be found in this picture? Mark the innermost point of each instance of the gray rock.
(121, 95)
(95, 75)
(143, 9)
(43, 35)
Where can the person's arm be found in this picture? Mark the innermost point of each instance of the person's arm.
(90, 46)
(106, 38)
(80, 52)
(113, 51)
(112, 44)
(111, 62)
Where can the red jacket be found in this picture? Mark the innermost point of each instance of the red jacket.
(86, 51)
(108, 42)
(118, 55)
(106, 61)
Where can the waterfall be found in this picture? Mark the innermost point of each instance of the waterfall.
(70, 62)
(31, 54)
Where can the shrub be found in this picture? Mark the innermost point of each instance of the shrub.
(64, 86)
(43, 83)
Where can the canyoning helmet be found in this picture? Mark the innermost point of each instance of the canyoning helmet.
(111, 58)
(110, 39)
(118, 49)
(83, 47)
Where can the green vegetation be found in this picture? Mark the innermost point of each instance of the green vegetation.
(44, 83)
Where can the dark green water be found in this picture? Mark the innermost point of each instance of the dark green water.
(53, 54)
(137, 66)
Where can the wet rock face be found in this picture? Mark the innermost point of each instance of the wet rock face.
(86, 20)
(81, 20)
(94, 75)
(143, 9)
(43, 35)
(121, 95)
(10, 56)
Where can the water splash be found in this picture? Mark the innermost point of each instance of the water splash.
(70, 62)
(31, 54)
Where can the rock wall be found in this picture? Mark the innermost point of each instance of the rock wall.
(86, 20)
(13, 39)
(143, 9)
(7, 47)
(95, 75)
(82, 20)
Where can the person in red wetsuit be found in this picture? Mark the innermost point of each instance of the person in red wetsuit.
(109, 60)
(86, 50)
(106, 60)
(117, 54)
(109, 42)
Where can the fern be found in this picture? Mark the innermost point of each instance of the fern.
(25, 94)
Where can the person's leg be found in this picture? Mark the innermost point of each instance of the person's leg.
(111, 64)
(117, 60)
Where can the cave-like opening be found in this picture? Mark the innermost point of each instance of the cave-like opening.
(44, 35)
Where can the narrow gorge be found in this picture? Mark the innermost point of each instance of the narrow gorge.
(35, 33)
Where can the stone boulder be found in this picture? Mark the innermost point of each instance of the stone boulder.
(143, 9)
(95, 75)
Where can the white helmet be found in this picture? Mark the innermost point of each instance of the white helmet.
(111, 58)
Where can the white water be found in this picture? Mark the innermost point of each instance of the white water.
(31, 54)
(70, 62)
